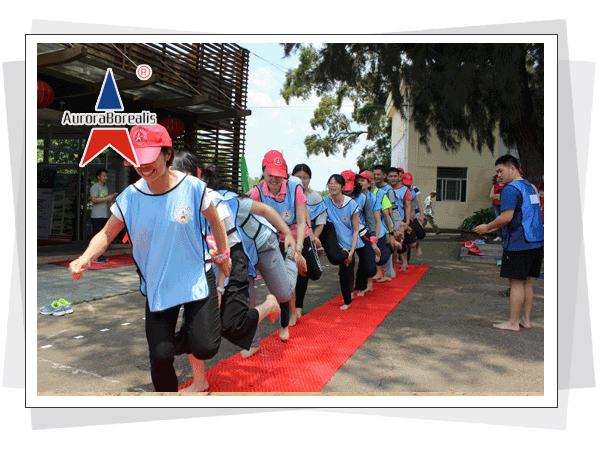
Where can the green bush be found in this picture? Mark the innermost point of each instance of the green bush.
(478, 218)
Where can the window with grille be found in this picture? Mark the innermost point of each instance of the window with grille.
(451, 184)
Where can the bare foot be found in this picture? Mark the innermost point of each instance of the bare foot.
(270, 307)
(248, 353)
(284, 334)
(403, 268)
(344, 307)
(507, 326)
(293, 318)
(361, 293)
(384, 279)
(419, 252)
(199, 386)
(369, 288)
(525, 323)
(299, 312)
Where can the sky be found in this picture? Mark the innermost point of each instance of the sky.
(275, 126)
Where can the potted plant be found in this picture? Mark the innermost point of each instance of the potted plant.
(477, 218)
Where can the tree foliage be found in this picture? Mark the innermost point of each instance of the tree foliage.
(460, 92)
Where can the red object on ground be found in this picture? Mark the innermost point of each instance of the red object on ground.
(319, 344)
(114, 261)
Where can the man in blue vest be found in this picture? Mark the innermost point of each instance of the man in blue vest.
(523, 235)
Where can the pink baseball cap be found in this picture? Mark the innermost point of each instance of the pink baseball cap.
(147, 142)
(349, 176)
(366, 175)
(275, 164)
(407, 179)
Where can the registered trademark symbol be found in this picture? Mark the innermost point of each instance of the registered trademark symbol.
(143, 72)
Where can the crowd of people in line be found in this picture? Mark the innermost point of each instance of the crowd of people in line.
(199, 243)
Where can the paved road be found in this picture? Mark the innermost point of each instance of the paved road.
(438, 339)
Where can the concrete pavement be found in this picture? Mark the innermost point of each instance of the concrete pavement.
(438, 339)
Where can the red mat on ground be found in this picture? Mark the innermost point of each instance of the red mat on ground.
(319, 344)
(113, 261)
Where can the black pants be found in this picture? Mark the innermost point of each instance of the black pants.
(314, 271)
(346, 274)
(328, 238)
(366, 264)
(386, 250)
(238, 321)
(97, 225)
(202, 331)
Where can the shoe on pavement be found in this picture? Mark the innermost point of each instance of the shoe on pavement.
(57, 308)
(497, 239)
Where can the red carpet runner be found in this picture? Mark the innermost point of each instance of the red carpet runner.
(319, 344)
(113, 261)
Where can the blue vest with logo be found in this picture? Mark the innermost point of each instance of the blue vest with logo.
(531, 220)
(315, 210)
(287, 207)
(398, 203)
(248, 230)
(341, 218)
(167, 241)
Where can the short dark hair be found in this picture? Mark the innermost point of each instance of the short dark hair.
(100, 171)
(508, 160)
(302, 168)
(185, 161)
(380, 167)
(393, 169)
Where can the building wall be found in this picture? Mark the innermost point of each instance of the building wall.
(413, 157)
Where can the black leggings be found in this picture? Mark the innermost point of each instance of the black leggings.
(366, 264)
(328, 238)
(313, 272)
(202, 331)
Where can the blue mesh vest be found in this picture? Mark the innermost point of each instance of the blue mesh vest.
(287, 207)
(341, 218)
(531, 220)
(249, 230)
(167, 242)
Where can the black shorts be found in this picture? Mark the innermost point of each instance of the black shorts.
(418, 229)
(411, 238)
(519, 265)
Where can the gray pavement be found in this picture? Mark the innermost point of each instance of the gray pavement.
(438, 339)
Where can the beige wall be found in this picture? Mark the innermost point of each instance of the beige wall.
(423, 167)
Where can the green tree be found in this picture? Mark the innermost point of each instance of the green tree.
(460, 92)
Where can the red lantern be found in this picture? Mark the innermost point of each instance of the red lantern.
(45, 95)
(173, 125)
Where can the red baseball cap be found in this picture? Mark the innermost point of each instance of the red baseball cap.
(275, 164)
(366, 175)
(349, 176)
(147, 141)
(400, 169)
(407, 179)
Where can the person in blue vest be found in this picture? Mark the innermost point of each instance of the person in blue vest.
(161, 213)
(318, 219)
(404, 236)
(379, 231)
(342, 213)
(523, 240)
(370, 253)
(253, 245)
(287, 197)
